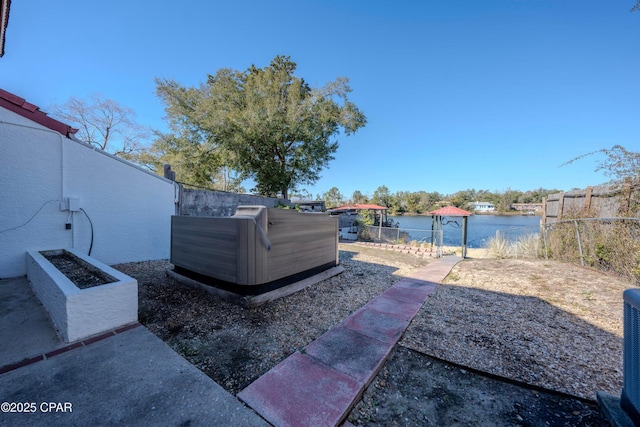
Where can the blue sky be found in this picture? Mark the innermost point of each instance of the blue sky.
(491, 95)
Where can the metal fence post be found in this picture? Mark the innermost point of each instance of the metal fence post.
(579, 242)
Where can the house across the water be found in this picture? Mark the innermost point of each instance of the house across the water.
(527, 208)
(482, 206)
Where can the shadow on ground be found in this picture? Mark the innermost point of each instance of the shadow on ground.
(415, 389)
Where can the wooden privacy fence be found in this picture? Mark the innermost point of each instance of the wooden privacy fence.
(597, 226)
(602, 201)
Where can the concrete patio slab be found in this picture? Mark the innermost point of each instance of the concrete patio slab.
(132, 378)
(25, 329)
(301, 391)
(126, 376)
(380, 326)
(354, 354)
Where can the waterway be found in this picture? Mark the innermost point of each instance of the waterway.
(479, 229)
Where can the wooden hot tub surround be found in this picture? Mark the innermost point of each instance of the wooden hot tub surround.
(255, 247)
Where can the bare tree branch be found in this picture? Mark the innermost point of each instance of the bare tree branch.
(619, 163)
(104, 124)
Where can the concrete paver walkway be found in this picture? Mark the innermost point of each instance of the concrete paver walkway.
(319, 386)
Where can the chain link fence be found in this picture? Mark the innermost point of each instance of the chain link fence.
(606, 244)
(401, 235)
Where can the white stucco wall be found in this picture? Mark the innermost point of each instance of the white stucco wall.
(39, 169)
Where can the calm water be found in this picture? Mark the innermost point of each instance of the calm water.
(479, 228)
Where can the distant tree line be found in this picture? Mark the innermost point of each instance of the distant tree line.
(421, 202)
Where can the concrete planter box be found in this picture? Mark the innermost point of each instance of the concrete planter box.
(80, 313)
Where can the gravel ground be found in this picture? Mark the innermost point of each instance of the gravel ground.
(544, 323)
(547, 324)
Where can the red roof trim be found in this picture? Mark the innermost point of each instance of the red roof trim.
(449, 211)
(19, 106)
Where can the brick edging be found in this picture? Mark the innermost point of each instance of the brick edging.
(400, 248)
(29, 361)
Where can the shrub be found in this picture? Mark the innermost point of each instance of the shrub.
(610, 245)
(498, 247)
(526, 246)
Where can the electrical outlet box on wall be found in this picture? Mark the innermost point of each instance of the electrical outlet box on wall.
(71, 204)
(74, 204)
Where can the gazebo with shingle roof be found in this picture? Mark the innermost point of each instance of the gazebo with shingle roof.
(438, 214)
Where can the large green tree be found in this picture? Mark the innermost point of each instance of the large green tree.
(274, 127)
(382, 196)
(358, 197)
(428, 201)
(333, 197)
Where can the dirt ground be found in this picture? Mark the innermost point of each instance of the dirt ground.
(422, 383)
(413, 389)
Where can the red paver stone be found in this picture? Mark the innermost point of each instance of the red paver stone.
(423, 286)
(380, 326)
(406, 295)
(436, 271)
(429, 275)
(347, 351)
(400, 309)
(301, 391)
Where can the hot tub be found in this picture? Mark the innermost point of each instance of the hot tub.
(257, 247)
